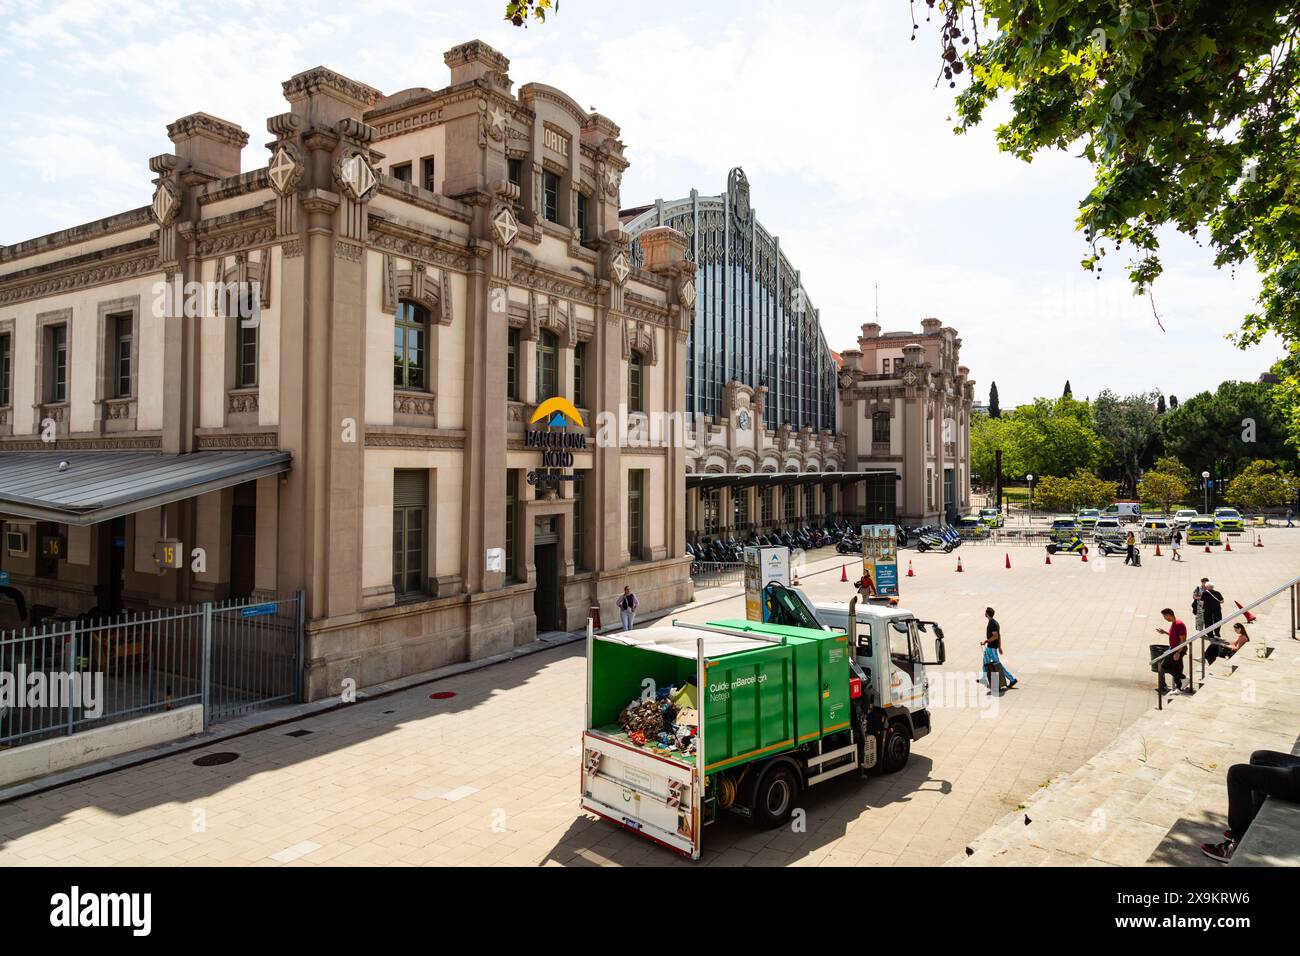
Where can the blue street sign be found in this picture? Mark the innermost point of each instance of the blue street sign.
(259, 610)
(4, 579)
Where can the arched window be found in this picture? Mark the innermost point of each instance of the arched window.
(548, 348)
(411, 346)
(635, 383)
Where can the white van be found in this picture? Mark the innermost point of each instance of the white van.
(1124, 511)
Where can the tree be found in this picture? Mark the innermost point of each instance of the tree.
(1161, 407)
(1164, 487)
(995, 410)
(1186, 110)
(1261, 484)
(518, 13)
(1054, 437)
(987, 437)
(1173, 402)
(1129, 427)
(1083, 489)
(1222, 430)
(1067, 393)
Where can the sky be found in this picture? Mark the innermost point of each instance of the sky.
(829, 108)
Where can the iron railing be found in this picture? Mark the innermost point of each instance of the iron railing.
(712, 574)
(1203, 635)
(65, 677)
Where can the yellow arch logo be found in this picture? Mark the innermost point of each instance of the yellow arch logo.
(557, 413)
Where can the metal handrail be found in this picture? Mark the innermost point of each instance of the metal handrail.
(1203, 634)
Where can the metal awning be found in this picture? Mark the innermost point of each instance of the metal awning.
(743, 479)
(85, 488)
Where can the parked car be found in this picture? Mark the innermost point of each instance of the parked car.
(992, 517)
(1183, 517)
(1124, 510)
(1087, 518)
(1203, 530)
(1109, 531)
(1065, 528)
(1229, 519)
(972, 526)
(1156, 530)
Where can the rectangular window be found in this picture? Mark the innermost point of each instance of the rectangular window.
(512, 483)
(245, 355)
(635, 491)
(635, 384)
(579, 526)
(428, 166)
(6, 369)
(547, 360)
(582, 217)
(512, 365)
(515, 172)
(410, 346)
(56, 341)
(787, 500)
(551, 194)
(402, 173)
(122, 333)
(884, 366)
(880, 427)
(898, 366)
(580, 375)
(410, 517)
(765, 507)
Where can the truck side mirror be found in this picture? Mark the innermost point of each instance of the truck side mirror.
(939, 653)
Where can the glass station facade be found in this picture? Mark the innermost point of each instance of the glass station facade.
(753, 320)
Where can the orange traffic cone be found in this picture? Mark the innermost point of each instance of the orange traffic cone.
(1158, 554)
(1227, 544)
(910, 573)
(1008, 560)
(796, 579)
(1207, 549)
(1250, 618)
(959, 571)
(1085, 555)
(844, 574)
(1049, 559)
(1259, 542)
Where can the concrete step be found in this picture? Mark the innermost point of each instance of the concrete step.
(1158, 790)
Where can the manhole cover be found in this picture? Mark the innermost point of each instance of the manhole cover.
(298, 733)
(442, 695)
(215, 760)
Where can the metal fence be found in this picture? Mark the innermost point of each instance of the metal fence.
(65, 677)
(712, 574)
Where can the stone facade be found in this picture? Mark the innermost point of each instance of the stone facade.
(475, 226)
(905, 403)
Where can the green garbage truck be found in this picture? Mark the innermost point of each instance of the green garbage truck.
(687, 721)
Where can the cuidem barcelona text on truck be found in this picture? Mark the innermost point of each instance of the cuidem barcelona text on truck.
(686, 721)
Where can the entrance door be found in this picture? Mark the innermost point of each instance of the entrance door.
(243, 540)
(950, 494)
(546, 559)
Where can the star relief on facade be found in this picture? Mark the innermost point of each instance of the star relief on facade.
(504, 226)
(613, 179)
(166, 202)
(286, 168)
(354, 174)
(495, 120)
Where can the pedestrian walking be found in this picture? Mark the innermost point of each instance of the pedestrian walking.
(1173, 665)
(866, 586)
(1290, 516)
(1211, 601)
(1176, 544)
(992, 645)
(627, 606)
(1130, 546)
(1269, 774)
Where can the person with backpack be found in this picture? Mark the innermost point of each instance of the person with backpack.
(1211, 602)
(627, 606)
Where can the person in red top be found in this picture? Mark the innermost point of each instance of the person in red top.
(1177, 633)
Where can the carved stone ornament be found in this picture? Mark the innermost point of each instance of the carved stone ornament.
(621, 267)
(504, 226)
(166, 202)
(495, 123)
(612, 180)
(909, 377)
(286, 168)
(846, 380)
(354, 175)
(687, 294)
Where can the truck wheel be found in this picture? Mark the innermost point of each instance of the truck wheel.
(895, 749)
(775, 796)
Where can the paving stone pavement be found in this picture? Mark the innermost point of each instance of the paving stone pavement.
(490, 776)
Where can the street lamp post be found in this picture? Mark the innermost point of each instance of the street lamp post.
(1205, 478)
(1030, 479)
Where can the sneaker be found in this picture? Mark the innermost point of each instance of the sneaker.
(1012, 684)
(1219, 851)
(1227, 834)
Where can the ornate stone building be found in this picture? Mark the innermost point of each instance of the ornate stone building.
(905, 406)
(413, 276)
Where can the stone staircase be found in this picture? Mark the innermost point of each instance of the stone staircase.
(1157, 792)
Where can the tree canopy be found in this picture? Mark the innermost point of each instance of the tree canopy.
(1187, 112)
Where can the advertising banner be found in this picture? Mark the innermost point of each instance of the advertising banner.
(763, 566)
(880, 559)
